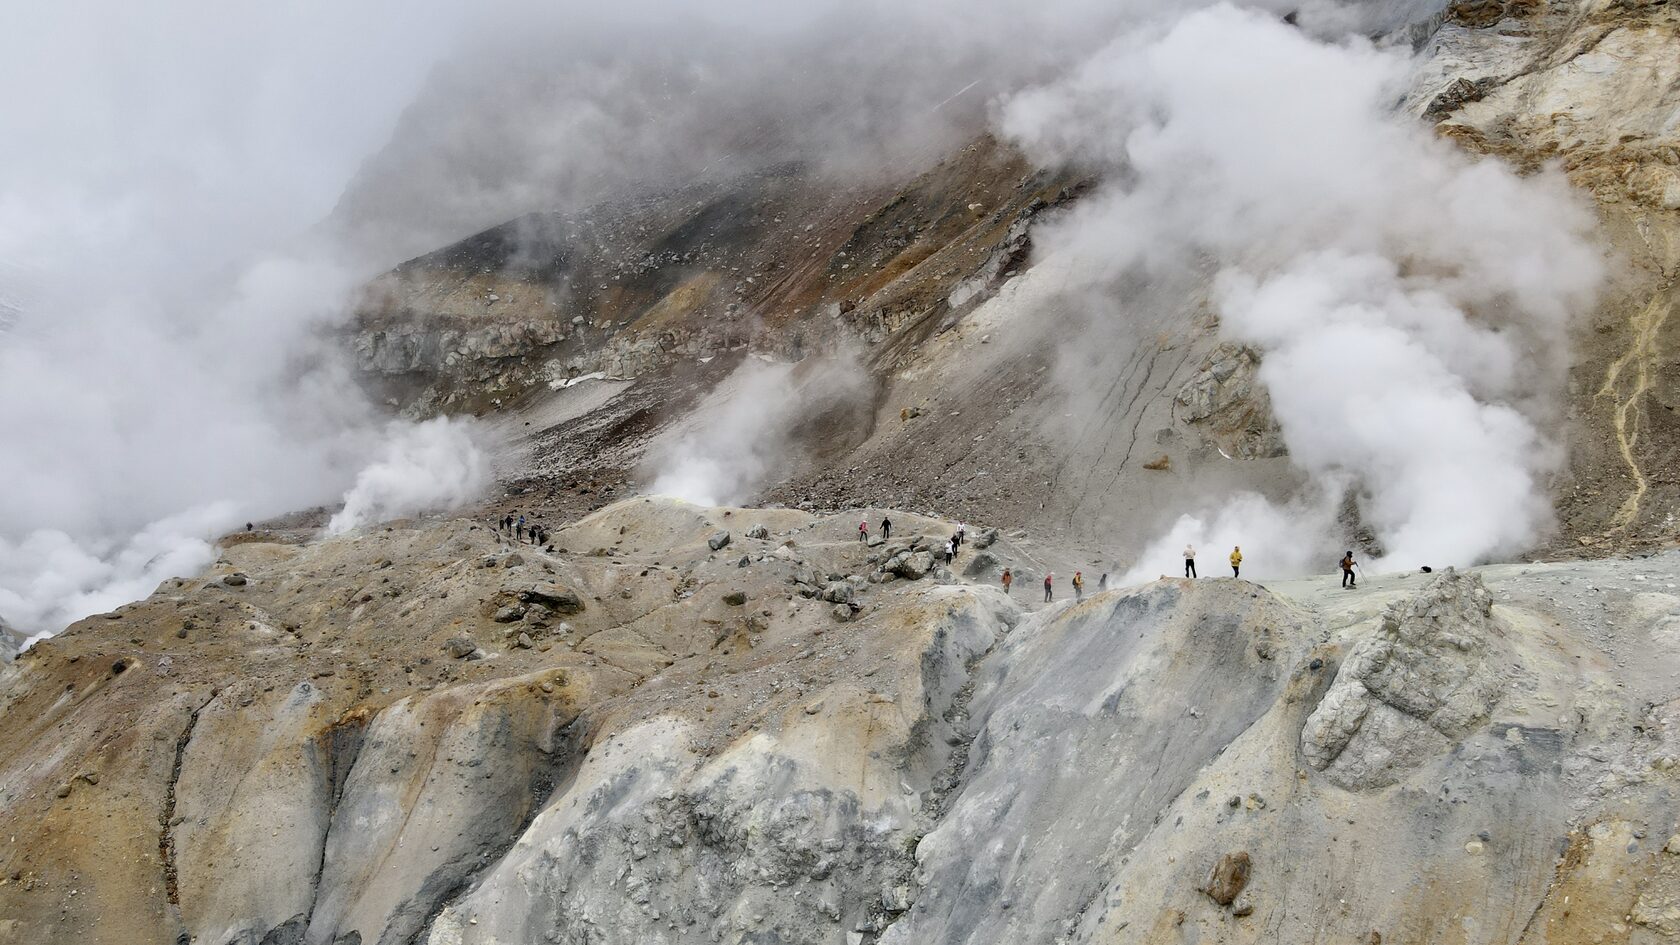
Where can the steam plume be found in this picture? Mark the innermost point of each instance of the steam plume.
(1411, 301)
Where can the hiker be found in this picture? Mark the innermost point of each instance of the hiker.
(1189, 561)
(507, 524)
(1102, 583)
(1348, 579)
(519, 529)
(1008, 579)
(1236, 560)
(962, 534)
(250, 527)
(950, 549)
(1078, 585)
(886, 529)
(863, 531)
(1047, 580)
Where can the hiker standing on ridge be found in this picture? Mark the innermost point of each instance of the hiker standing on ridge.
(1348, 564)
(1236, 560)
(962, 534)
(886, 529)
(863, 531)
(1189, 561)
(1047, 580)
(1078, 585)
(1008, 579)
(1102, 583)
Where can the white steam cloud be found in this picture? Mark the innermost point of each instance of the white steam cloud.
(425, 466)
(744, 434)
(166, 290)
(1411, 301)
(164, 371)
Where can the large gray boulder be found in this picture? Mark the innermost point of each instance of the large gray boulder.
(1410, 692)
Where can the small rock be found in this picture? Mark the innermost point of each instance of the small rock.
(1226, 880)
(745, 560)
(1244, 905)
(513, 560)
(235, 579)
(759, 532)
(459, 647)
(718, 541)
(523, 641)
(813, 708)
(509, 614)
(735, 598)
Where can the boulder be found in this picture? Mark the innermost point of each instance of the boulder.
(838, 592)
(1225, 882)
(982, 564)
(718, 541)
(551, 594)
(735, 598)
(235, 579)
(910, 564)
(459, 647)
(509, 614)
(759, 532)
(986, 539)
(1414, 690)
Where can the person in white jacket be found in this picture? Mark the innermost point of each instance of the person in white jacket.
(1189, 561)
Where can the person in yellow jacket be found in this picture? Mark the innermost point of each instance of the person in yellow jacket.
(1078, 585)
(1236, 560)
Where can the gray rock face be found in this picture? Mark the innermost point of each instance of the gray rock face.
(786, 837)
(1226, 402)
(1067, 691)
(1410, 692)
(11, 641)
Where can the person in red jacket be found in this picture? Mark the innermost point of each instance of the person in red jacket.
(1047, 581)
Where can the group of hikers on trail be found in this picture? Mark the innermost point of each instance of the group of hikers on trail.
(1190, 561)
(1050, 584)
(951, 544)
(534, 533)
(1347, 564)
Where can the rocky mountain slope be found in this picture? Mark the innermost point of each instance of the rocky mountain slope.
(678, 723)
(424, 733)
(917, 281)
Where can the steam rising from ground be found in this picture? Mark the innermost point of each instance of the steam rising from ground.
(164, 376)
(745, 432)
(163, 372)
(1410, 301)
